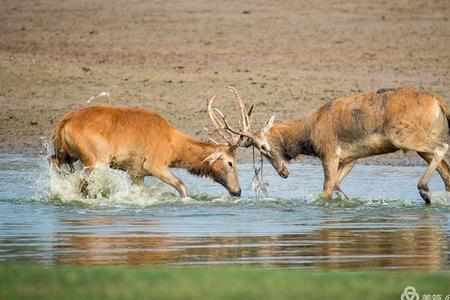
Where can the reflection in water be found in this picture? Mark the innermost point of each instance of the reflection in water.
(350, 243)
(291, 230)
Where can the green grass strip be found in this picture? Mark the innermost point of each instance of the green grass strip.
(71, 282)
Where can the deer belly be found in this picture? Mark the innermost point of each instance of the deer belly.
(130, 162)
(371, 145)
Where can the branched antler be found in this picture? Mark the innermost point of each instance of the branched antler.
(223, 128)
(245, 116)
(220, 129)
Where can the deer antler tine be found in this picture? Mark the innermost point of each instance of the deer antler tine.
(214, 141)
(244, 114)
(210, 113)
(227, 126)
(222, 126)
(251, 110)
(234, 141)
(217, 124)
(250, 116)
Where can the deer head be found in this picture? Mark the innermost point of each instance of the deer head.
(262, 140)
(222, 162)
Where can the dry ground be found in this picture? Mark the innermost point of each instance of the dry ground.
(288, 57)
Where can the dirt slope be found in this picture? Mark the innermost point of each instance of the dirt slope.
(288, 57)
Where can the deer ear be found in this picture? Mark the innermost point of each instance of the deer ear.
(269, 123)
(210, 159)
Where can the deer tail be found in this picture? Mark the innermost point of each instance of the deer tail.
(60, 154)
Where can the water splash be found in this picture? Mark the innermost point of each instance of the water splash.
(342, 202)
(440, 198)
(106, 186)
(110, 187)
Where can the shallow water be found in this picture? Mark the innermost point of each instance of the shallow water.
(385, 225)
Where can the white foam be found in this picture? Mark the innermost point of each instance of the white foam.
(109, 187)
(441, 198)
(106, 187)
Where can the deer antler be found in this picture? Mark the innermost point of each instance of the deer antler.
(223, 127)
(220, 129)
(246, 117)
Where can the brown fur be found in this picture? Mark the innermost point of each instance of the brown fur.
(142, 143)
(358, 126)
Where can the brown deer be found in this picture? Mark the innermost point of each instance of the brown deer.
(142, 143)
(349, 128)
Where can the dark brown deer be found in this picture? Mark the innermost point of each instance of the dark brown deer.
(349, 128)
(142, 143)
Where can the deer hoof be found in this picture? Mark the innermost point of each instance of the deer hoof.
(425, 196)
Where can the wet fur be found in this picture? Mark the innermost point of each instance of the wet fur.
(342, 131)
(349, 120)
(134, 140)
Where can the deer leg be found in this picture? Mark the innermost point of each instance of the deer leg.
(446, 165)
(84, 184)
(330, 170)
(443, 168)
(422, 185)
(138, 180)
(88, 161)
(168, 177)
(343, 170)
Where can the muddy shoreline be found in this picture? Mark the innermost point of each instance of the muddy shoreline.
(286, 58)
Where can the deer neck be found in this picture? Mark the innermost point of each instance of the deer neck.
(294, 137)
(191, 156)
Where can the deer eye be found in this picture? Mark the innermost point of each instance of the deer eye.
(263, 148)
(230, 163)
